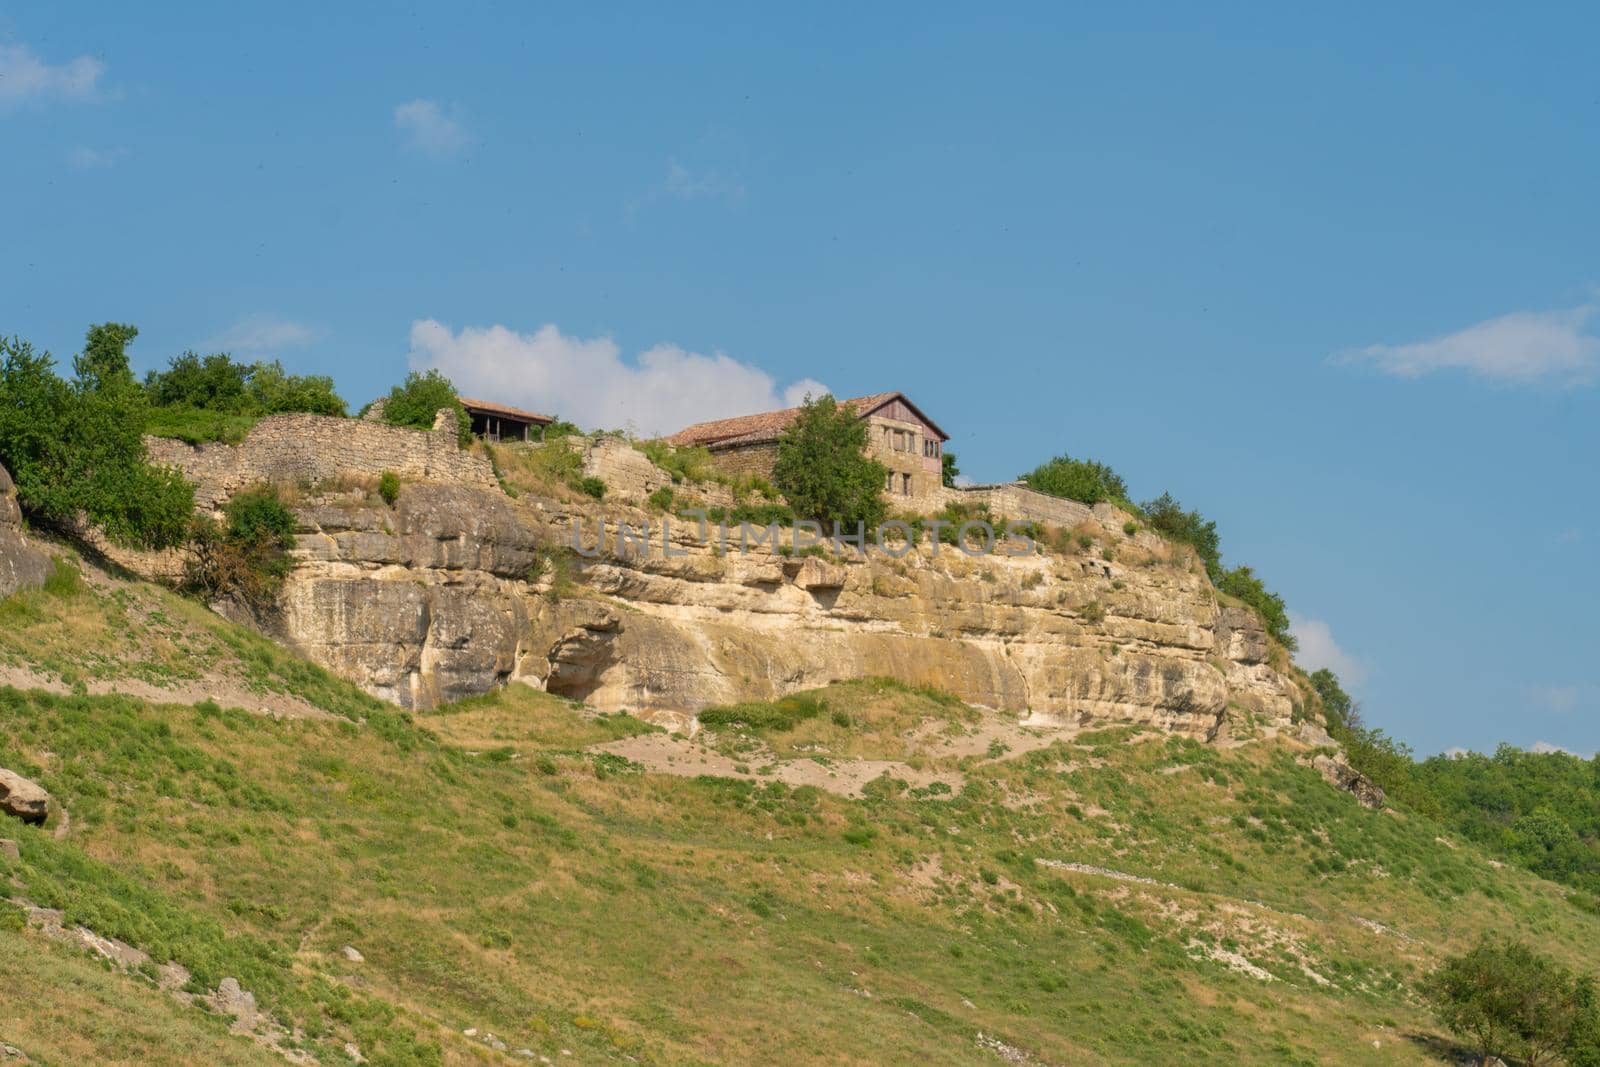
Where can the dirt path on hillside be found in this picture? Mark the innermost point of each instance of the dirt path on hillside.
(670, 754)
(994, 738)
(224, 691)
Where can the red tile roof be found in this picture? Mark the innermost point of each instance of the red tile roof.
(769, 425)
(483, 407)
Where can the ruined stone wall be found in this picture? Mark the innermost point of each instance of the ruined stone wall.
(1013, 500)
(317, 448)
(747, 460)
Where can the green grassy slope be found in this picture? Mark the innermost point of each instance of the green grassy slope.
(1112, 898)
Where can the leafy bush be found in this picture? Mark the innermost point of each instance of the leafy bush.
(1083, 480)
(1505, 999)
(389, 487)
(661, 499)
(1166, 517)
(214, 398)
(691, 464)
(823, 469)
(78, 447)
(754, 514)
(247, 554)
(594, 487)
(416, 403)
(948, 471)
(778, 715)
(1242, 583)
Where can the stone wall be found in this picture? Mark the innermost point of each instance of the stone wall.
(747, 460)
(317, 448)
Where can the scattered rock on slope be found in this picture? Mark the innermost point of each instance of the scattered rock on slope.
(1343, 776)
(22, 566)
(22, 798)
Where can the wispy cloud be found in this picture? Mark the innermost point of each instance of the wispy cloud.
(684, 183)
(1318, 649)
(427, 129)
(1557, 698)
(1545, 747)
(25, 77)
(85, 158)
(588, 381)
(1522, 348)
(261, 335)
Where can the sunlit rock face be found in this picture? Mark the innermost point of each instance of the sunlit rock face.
(22, 564)
(455, 590)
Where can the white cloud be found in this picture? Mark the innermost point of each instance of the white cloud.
(1318, 649)
(261, 335)
(665, 389)
(84, 158)
(429, 130)
(1543, 747)
(1457, 752)
(1524, 348)
(1570, 536)
(687, 185)
(24, 76)
(1557, 698)
(682, 183)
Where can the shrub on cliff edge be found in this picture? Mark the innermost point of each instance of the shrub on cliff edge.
(416, 402)
(823, 469)
(78, 447)
(248, 553)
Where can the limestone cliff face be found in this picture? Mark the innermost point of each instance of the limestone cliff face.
(22, 565)
(432, 600)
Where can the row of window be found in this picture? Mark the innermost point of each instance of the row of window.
(906, 441)
(905, 483)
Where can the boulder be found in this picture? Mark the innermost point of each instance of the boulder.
(22, 566)
(22, 798)
(1341, 775)
(1312, 733)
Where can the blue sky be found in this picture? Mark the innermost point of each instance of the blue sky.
(1330, 277)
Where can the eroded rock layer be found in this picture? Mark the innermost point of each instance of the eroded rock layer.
(455, 590)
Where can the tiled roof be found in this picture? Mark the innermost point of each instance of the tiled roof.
(483, 407)
(769, 425)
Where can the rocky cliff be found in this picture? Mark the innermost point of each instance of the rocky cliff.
(456, 589)
(21, 563)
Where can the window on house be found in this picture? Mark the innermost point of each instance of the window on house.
(888, 482)
(905, 484)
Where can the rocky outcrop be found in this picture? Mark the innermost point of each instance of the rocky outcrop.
(22, 565)
(23, 799)
(455, 590)
(1341, 775)
(420, 603)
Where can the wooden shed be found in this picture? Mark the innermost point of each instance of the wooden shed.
(500, 422)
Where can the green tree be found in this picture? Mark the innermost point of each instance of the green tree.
(103, 363)
(416, 402)
(1504, 999)
(1083, 480)
(948, 471)
(77, 448)
(823, 468)
(1242, 583)
(1337, 705)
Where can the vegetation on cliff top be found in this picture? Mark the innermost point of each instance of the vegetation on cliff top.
(823, 469)
(76, 447)
(215, 398)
